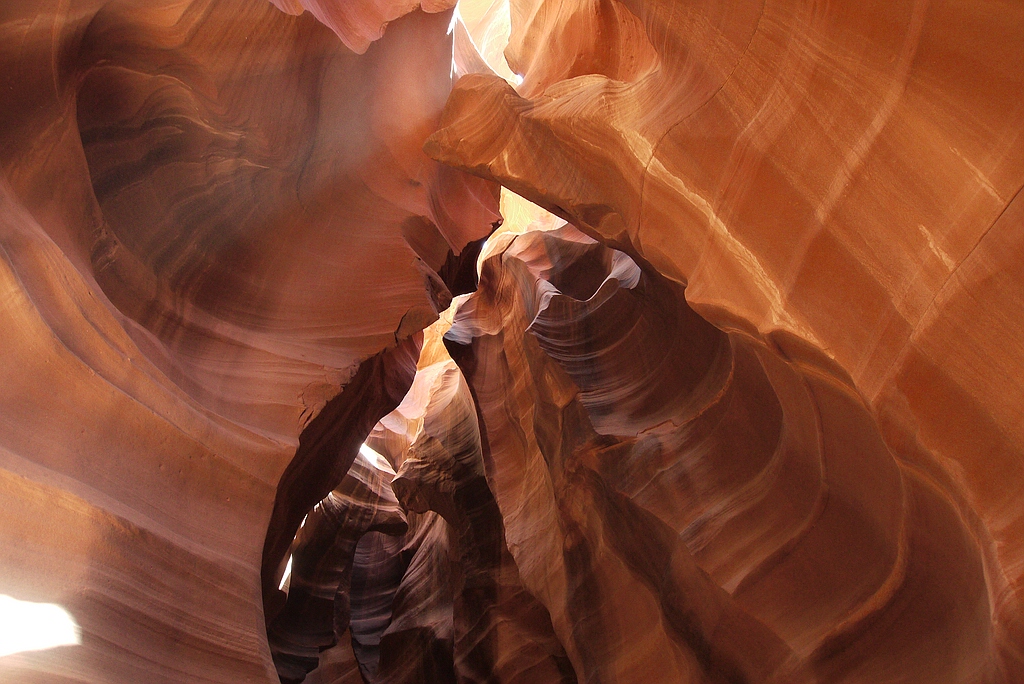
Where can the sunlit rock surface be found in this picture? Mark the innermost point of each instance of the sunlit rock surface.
(724, 502)
(358, 24)
(213, 216)
(753, 415)
(837, 177)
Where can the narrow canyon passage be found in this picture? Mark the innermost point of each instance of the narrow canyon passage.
(511, 341)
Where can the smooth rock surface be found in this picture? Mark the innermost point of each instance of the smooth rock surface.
(213, 217)
(752, 415)
(842, 175)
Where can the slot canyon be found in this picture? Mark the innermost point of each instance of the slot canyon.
(512, 341)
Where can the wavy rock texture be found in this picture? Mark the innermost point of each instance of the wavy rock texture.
(721, 503)
(754, 416)
(213, 217)
(359, 24)
(840, 174)
(418, 644)
(322, 560)
(444, 604)
(399, 624)
(501, 632)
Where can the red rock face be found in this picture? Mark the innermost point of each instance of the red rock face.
(214, 217)
(832, 178)
(739, 504)
(752, 415)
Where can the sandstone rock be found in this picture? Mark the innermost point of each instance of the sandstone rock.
(744, 407)
(213, 216)
(832, 178)
(736, 507)
(321, 564)
(501, 632)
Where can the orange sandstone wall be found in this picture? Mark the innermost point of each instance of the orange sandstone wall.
(843, 174)
(211, 214)
(754, 416)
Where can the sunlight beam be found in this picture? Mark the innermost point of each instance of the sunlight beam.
(31, 626)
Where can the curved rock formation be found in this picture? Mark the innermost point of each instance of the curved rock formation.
(753, 415)
(735, 506)
(213, 217)
(418, 644)
(321, 564)
(830, 176)
(359, 24)
(501, 632)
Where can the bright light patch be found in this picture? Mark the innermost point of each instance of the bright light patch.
(287, 573)
(30, 626)
(455, 18)
(376, 460)
(518, 216)
(488, 25)
(451, 29)
(522, 216)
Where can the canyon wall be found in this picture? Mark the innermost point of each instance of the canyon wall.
(838, 177)
(214, 216)
(746, 407)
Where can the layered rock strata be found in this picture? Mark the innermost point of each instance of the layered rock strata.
(321, 565)
(213, 217)
(720, 503)
(840, 177)
(501, 632)
(756, 417)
